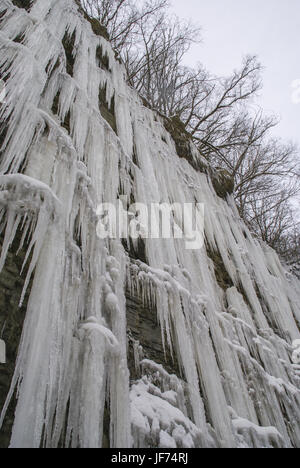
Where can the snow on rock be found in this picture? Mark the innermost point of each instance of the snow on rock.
(60, 158)
(26, 201)
(255, 436)
(169, 426)
(92, 326)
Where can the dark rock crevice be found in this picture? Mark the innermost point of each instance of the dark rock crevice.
(107, 109)
(222, 276)
(26, 4)
(11, 324)
(143, 327)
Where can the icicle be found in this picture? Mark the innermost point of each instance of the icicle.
(232, 339)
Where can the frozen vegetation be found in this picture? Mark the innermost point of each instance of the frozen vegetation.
(60, 159)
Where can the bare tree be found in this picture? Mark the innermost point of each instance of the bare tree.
(154, 63)
(272, 219)
(217, 112)
(289, 249)
(266, 177)
(121, 17)
(208, 119)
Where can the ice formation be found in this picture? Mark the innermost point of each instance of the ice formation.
(60, 158)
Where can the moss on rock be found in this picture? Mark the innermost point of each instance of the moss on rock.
(222, 276)
(97, 27)
(183, 142)
(223, 182)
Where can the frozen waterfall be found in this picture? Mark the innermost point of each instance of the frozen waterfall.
(75, 135)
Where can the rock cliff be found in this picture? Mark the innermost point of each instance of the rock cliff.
(125, 342)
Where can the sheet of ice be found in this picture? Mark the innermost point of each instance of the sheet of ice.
(59, 160)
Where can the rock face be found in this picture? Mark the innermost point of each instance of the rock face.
(126, 342)
(223, 183)
(11, 323)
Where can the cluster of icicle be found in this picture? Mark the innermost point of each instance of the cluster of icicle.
(234, 347)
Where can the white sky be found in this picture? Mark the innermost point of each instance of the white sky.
(269, 29)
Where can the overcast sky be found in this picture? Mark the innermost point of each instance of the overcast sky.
(267, 28)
